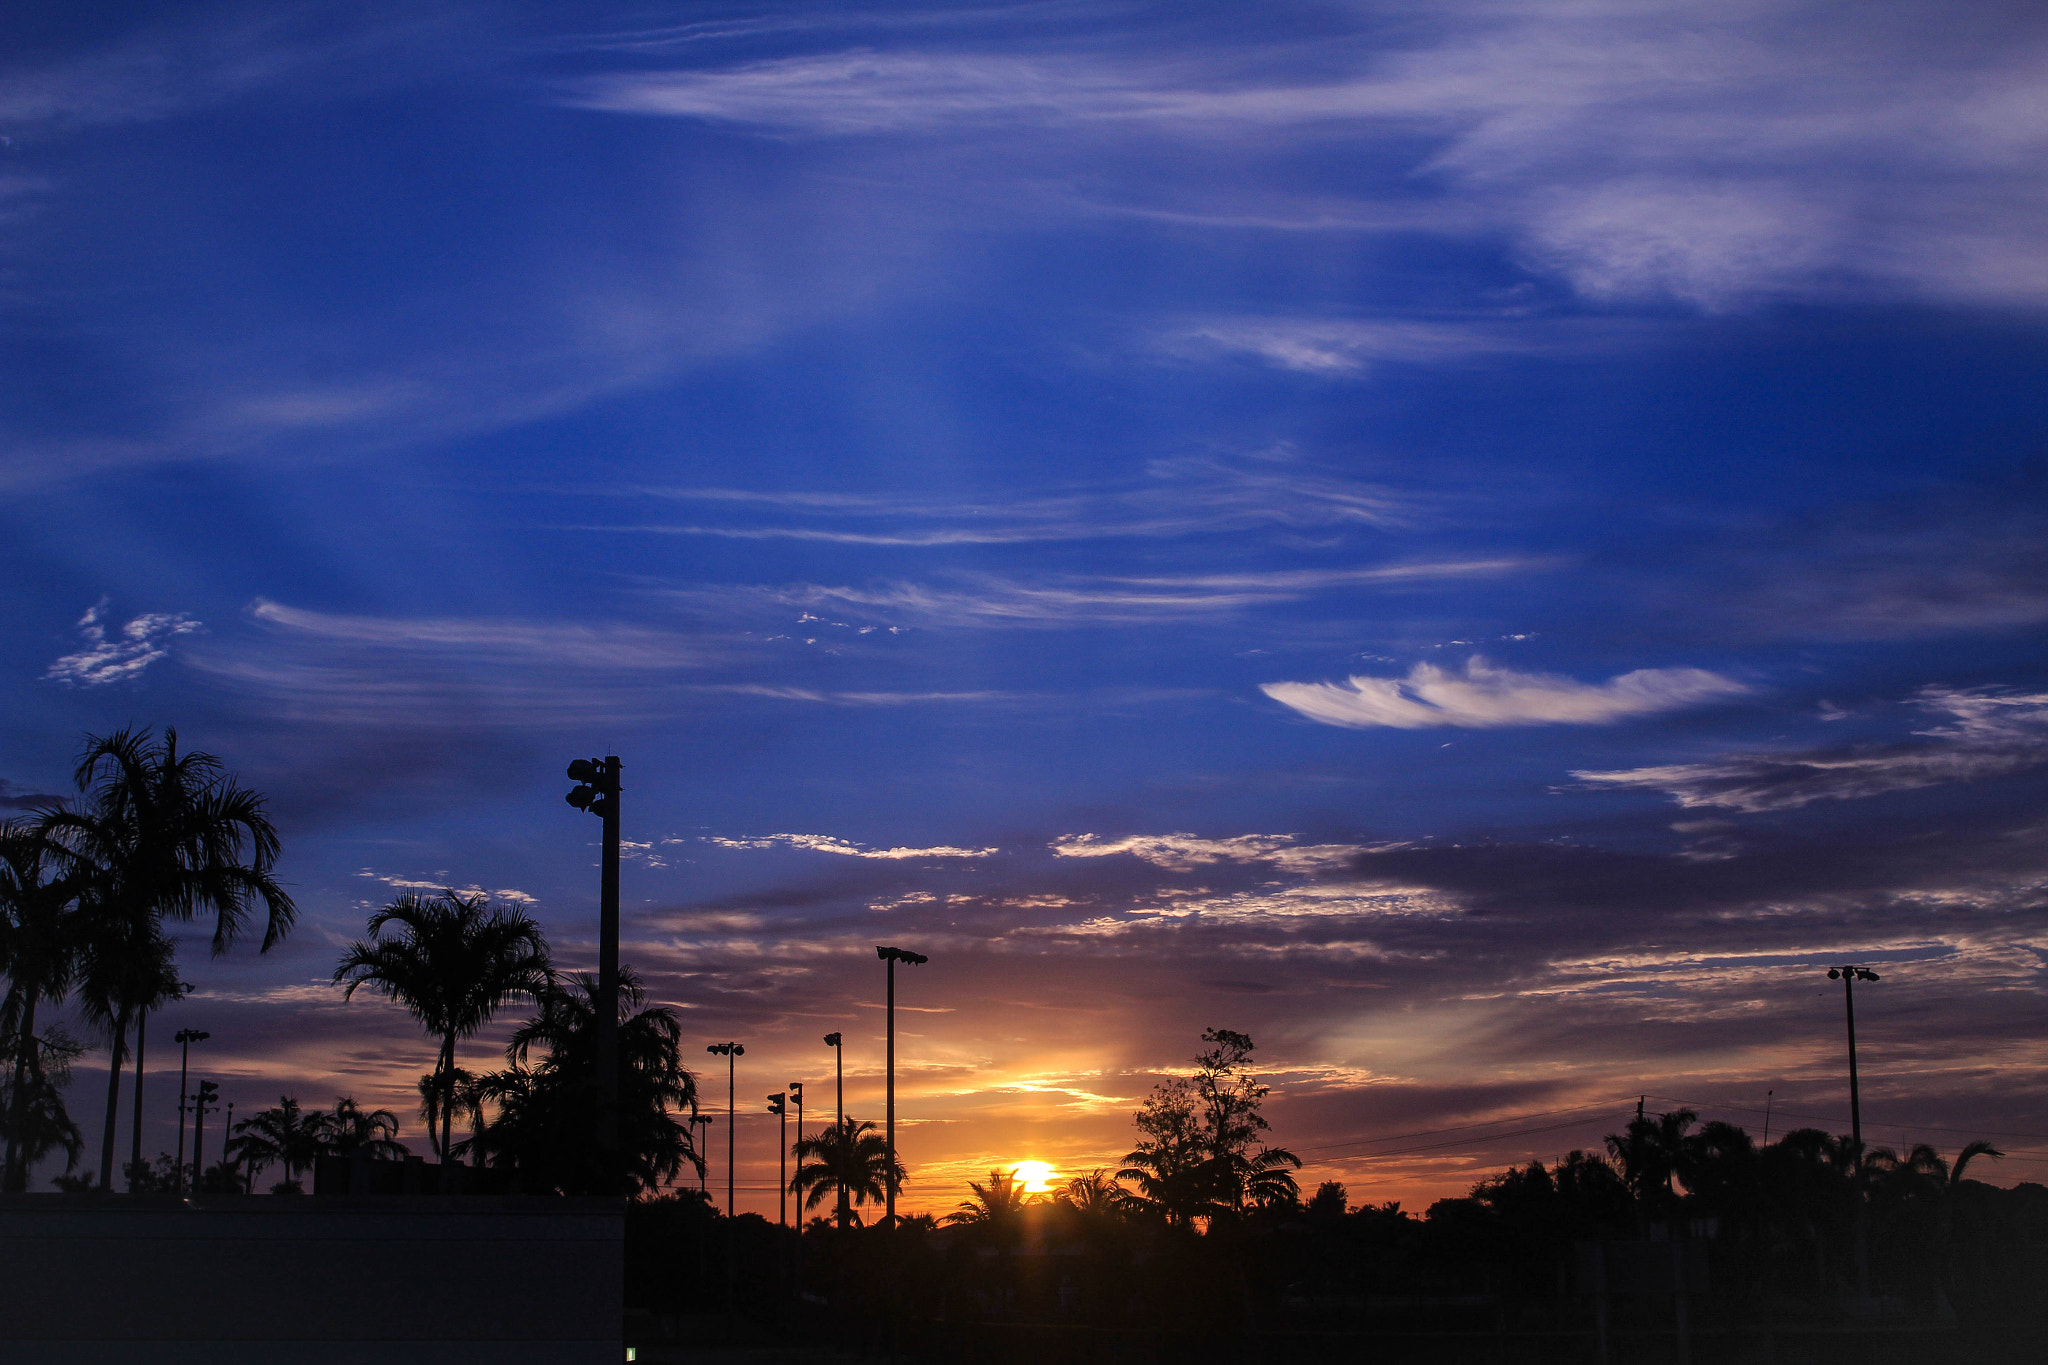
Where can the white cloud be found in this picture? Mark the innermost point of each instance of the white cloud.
(1716, 155)
(1485, 696)
(992, 601)
(1185, 852)
(827, 843)
(140, 643)
(1177, 497)
(1990, 733)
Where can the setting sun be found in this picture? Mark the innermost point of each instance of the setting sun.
(1034, 1176)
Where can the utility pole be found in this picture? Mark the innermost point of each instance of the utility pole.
(703, 1122)
(597, 791)
(207, 1098)
(837, 1043)
(892, 956)
(795, 1090)
(732, 1052)
(184, 1037)
(1849, 976)
(778, 1105)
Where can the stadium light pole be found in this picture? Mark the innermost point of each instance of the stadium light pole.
(703, 1122)
(1849, 976)
(731, 1052)
(837, 1042)
(207, 1098)
(795, 1090)
(184, 1038)
(892, 956)
(778, 1105)
(597, 791)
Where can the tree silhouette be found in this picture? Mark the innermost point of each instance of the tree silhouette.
(997, 1207)
(37, 1123)
(38, 953)
(350, 1129)
(849, 1159)
(452, 962)
(1201, 1154)
(545, 1100)
(284, 1135)
(1094, 1196)
(159, 835)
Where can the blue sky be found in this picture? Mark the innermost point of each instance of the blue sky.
(1484, 544)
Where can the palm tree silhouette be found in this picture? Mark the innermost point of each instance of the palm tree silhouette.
(162, 835)
(285, 1134)
(1095, 1195)
(127, 970)
(351, 1129)
(38, 953)
(545, 1100)
(850, 1160)
(454, 961)
(997, 1207)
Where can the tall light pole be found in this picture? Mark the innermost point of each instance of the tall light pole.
(703, 1122)
(1849, 976)
(795, 1090)
(837, 1043)
(207, 1098)
(892, 956)
(778, 1105)
(184, 1038)
(597, 791)
(731, 1052)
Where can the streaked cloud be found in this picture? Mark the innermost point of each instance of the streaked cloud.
(1485, 696)
(989, 600)
(846, 848)
(110, 659)
(1176, 498)
(1991, 732)
(1638, 150)
(1185, 852)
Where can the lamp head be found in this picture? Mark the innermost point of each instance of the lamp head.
(831, 1040)
(1834, 974)
(1865, 974)
(583, 770)
(796, 1091)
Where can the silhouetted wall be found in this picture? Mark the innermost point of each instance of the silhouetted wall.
(396, 1281)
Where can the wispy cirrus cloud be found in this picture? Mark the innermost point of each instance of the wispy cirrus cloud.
(847, 848)
(1180, 852)
(1176, 498)
(110, 659)
(1637, 150)
(1485, 696)
(1990, 732)
(994, 601)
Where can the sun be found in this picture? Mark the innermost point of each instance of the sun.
(1034, 1176)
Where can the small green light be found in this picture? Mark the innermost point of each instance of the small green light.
(632, 1353)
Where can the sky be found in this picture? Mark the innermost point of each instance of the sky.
(1484, 544)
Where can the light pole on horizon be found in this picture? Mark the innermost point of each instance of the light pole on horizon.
(837, 1043)
(207, 1098)
(597, 791)
(778, 1105)
(892, 956)
(1849, 976)
(703, 1121)
(732, 1052)
(184, 1038)
(795, 1090)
